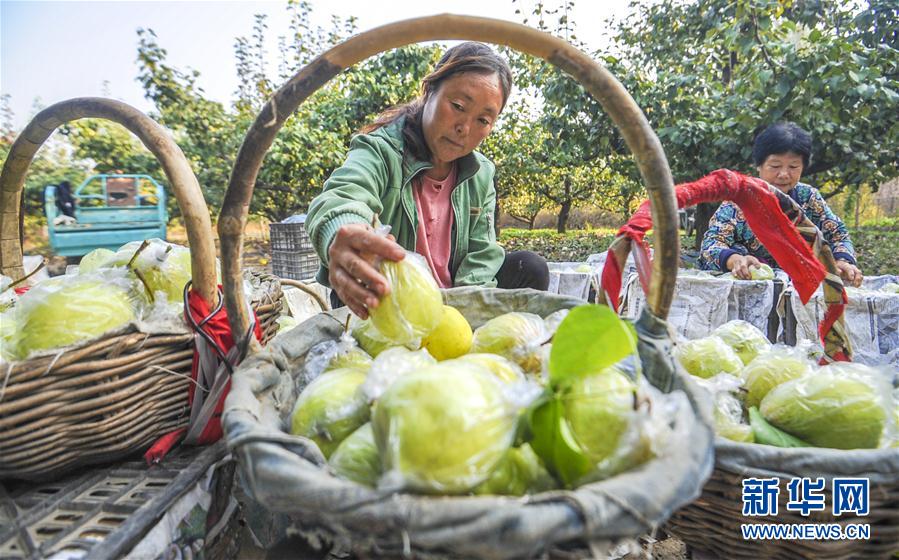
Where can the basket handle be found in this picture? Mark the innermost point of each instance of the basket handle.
(156, 139)
(615, 100)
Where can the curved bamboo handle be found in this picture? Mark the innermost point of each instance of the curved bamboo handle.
(154, 137)
(620, 106)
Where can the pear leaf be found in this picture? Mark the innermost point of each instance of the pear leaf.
(555, 444)
(589, 339)
(767, 434)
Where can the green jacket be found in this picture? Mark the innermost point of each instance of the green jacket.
(376, 178)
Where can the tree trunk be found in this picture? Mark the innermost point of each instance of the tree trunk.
(704, 212)
(564, 211)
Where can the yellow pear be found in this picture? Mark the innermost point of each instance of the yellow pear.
(451, 338)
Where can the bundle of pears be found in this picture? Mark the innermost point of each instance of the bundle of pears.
(777, 395)
(106, 292)
(414, 400)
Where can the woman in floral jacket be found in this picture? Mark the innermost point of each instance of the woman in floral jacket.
(781, 152)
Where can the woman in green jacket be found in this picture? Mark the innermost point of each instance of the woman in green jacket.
(416, 169)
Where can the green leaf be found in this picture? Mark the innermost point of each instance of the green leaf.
(589, 339)
(767, 434)
(554, 443)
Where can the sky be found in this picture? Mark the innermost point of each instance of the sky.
(52, 51)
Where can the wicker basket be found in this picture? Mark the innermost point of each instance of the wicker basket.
(713, 522)
(111, 397)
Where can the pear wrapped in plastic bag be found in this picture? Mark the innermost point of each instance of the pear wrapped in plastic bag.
(708, 356)
(516, 336)
(728, 410)
(330, 408)
(504, 369)
(368, 337)
(746, 340)
(773, 368)
(164, 266)
(66, 310)
(841, 406)
(390, 365)
(520, 472)
(94, 260)
(414, 305)
(600, 409)
(442, 429)
(357, 459)
(762, 272)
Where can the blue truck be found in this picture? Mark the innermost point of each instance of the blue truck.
(109, 211)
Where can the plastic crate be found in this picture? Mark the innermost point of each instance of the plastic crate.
(290, 237)
(293, 265)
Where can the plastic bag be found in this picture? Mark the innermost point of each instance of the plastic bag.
(840, 406)
(67, 310)
(609, 423)
(708, 356)
(8, 296)
(165, 266)
(442, 429)
(516, 336)
(356, 458)
(390, 365)
(368, 337)
(776, 366)
(728, 411)
(414, 306)
(520, 472)
(504, 369)
(330, 408)
(746, 340)
(553, 320)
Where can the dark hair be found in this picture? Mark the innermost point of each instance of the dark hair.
(466, 57)
(780, 138)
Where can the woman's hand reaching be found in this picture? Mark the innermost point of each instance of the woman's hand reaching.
(353, 272)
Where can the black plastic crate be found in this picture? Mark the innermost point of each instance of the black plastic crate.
(290, 237)
(295, 266)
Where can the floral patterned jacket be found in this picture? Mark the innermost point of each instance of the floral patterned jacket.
(729, 233)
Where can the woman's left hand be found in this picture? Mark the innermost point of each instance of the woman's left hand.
(850, 273)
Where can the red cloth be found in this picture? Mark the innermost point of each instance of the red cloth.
(218, 330)
(763, 214)
(434, 239)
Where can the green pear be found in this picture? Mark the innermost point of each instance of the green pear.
(414, 305)
(67, 310)
(330, 408)
(356, 458)
(828, 409)
(516, 336)
(520, 472)
(771, 369)
(746, 340)
(707, 357)
(443, 429)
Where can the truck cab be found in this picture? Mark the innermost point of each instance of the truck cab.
(110, 210)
